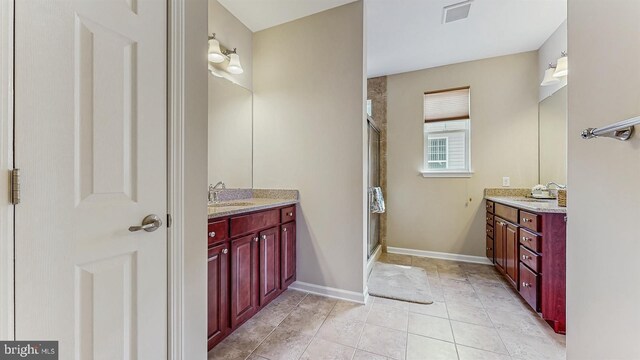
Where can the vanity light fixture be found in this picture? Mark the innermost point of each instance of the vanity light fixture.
(562, 69)
(218, 54)
(549, 76)
(215, 54)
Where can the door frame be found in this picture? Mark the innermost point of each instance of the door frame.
(7, 305)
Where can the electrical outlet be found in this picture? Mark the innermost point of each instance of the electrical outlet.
(506, 182)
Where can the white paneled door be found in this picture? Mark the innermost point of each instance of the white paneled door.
(90, 140)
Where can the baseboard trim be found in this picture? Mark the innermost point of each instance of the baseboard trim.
(330, 292)
(440, 255)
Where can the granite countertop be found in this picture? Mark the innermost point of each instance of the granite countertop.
(239, 201)
(529, 203)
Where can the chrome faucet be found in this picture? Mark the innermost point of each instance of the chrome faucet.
(213, 194)
(558, 186)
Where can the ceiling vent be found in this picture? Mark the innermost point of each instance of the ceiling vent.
(456, 12)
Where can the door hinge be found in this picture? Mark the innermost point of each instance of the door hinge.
(14, 192)
(168, 220)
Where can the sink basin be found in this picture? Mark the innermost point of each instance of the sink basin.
(231, 203)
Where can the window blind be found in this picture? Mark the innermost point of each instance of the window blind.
(446, 105)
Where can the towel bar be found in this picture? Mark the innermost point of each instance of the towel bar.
(622, 130)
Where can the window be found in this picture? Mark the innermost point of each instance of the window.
(447, 125)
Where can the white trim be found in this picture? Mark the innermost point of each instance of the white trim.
(440, 255)
(372, 259)
(446, 174)
(330, 292)
(175, 177)
(7, 305)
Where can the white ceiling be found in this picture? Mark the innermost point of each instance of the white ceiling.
(262, 14)
(406, 35)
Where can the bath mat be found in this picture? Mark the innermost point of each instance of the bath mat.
(400, 282)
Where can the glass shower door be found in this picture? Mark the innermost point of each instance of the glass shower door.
(374, 180)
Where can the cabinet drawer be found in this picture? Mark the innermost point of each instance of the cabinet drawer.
(530, 221)
(490, 231)
(529, 285)
(253, 222)
(490, 248)
(507, 212)
(490, 206)
(490, 219)
(217, 231)
(531, 259)
(288, 214)
(530, 240)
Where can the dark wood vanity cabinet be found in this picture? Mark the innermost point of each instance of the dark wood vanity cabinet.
(252, 260)
(529, 249)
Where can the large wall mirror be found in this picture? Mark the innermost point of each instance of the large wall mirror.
(230, 133)
(553, 138)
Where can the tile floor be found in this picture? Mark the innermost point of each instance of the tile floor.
(476, 316)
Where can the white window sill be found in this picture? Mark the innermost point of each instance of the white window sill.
(446, 174)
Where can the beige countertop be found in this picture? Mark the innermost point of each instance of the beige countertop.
(528, 203)
(235, 201)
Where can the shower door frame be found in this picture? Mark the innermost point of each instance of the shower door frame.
(371, 126)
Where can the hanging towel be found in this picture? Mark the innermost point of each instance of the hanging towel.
(376, 200)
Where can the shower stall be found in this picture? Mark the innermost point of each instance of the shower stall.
(374, 180)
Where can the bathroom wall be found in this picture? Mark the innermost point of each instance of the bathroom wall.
(549, 52)
(447, 214)
(233, 34)
(377, 93)
(603, 197)
(309, 123)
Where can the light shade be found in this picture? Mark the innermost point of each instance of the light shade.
(549, 78)
(234, 66)
(215, 55)
(562, 69)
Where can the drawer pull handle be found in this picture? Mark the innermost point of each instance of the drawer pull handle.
(284, 229)
(524, 238)
(525, 284)
(212, 234)
(489, 248)
(224, 251)
(290, 214)
(255, 239)
(264, 237)
(526, 220)
(526, 257)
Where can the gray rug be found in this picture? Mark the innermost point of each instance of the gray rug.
(400, 282)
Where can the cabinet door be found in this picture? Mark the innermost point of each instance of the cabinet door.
(288, 254)
(269, 264)
(244, 278)
(511, 252)
(218, 294)
(498, 243)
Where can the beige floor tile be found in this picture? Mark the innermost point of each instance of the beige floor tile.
(242, 342)
(256, 357)
(290, 297)
(477, 336)
(317, 303)
(383, 341)
(463, 299)
(274, 313)
(345, 332)
(351, 311)
(531, 347)
(395, 259)
(430, 326)
(386, 316)
(469, 314)
(515, 321)
(422, 348)
(283, 344)
(467, 353)
(509, 305)
(304, 321)
(438, 309)
(320, 349)
(363, 355)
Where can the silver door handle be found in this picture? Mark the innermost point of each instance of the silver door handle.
(149, 223)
